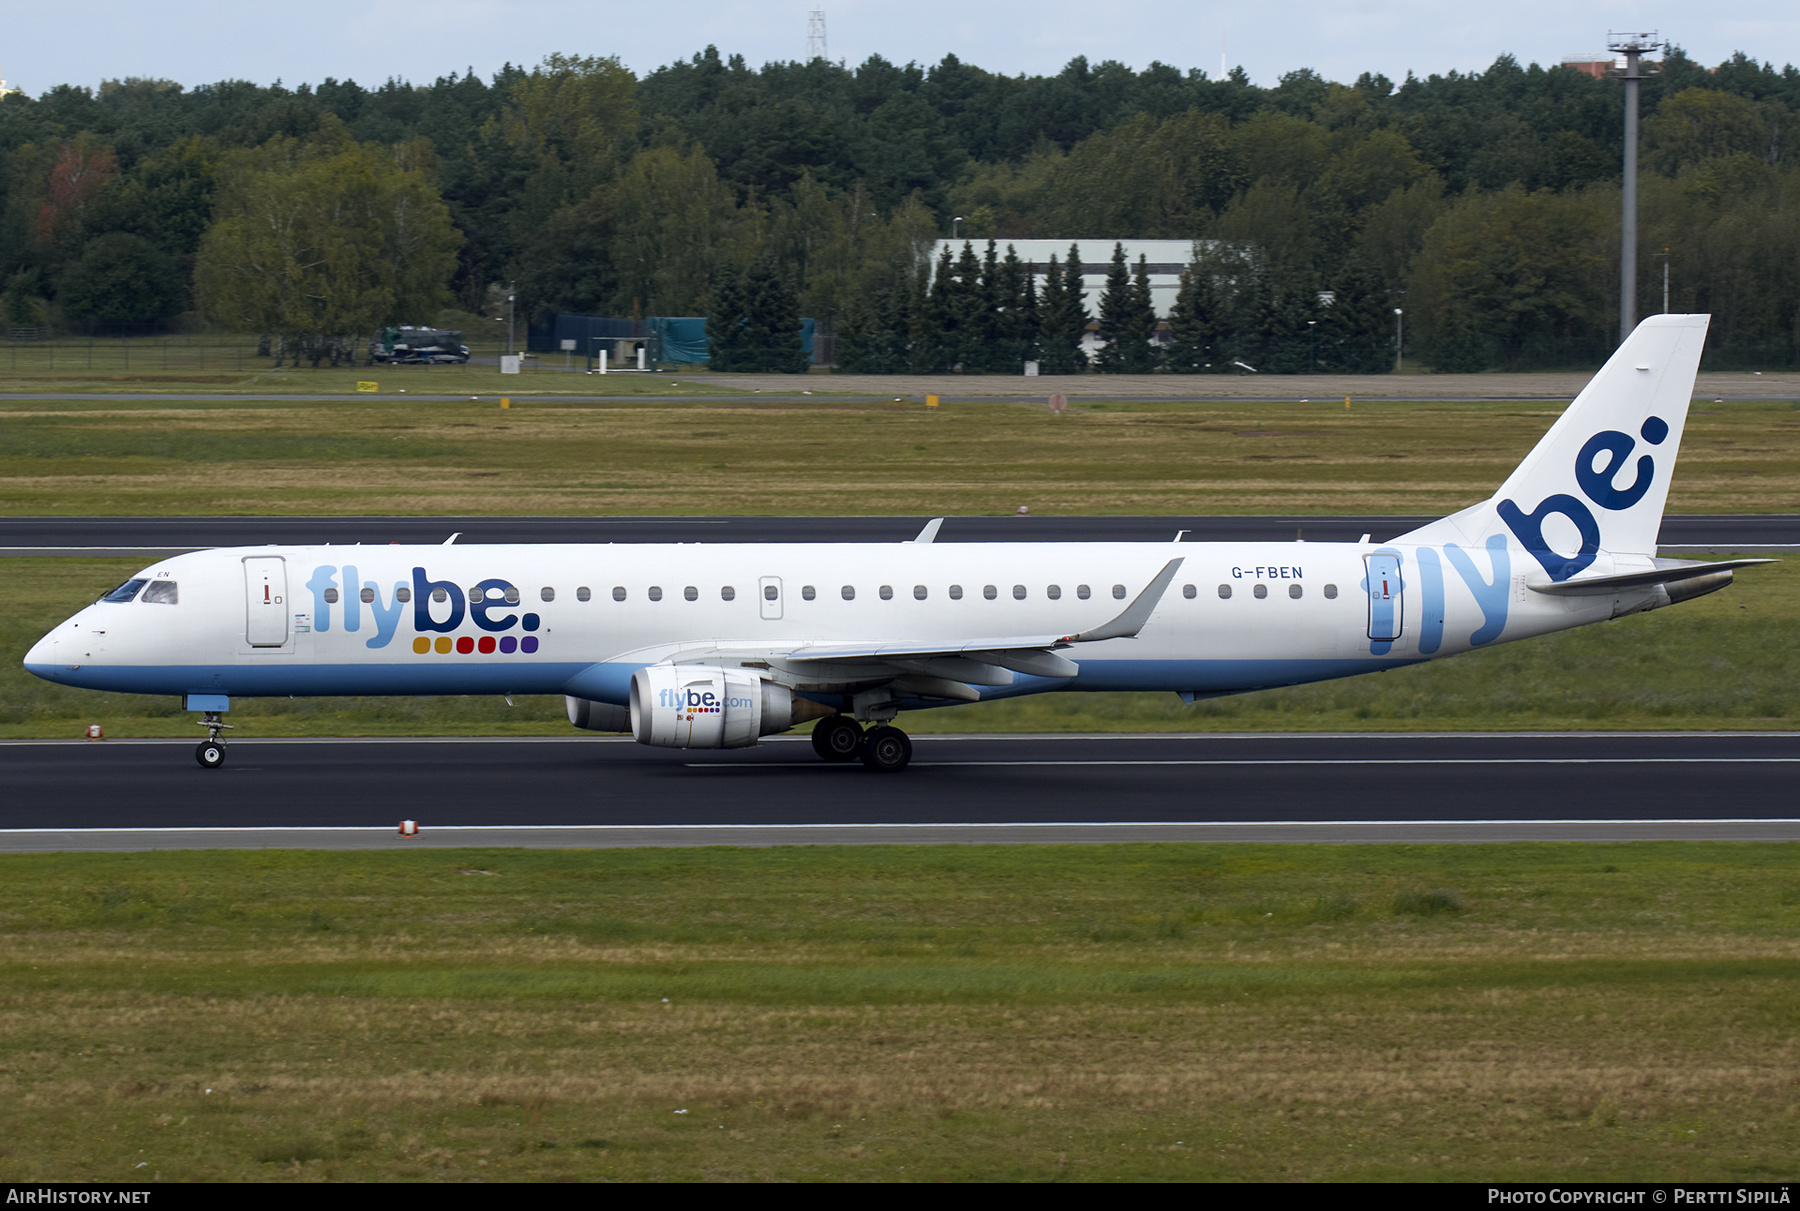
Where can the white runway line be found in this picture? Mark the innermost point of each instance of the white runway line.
(745, 767)
(388, 829)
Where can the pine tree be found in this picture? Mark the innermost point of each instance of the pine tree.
(1141, 353)
(772, 320)
(967, 307)
(1356, 329)
(1016, 325)
(925, 337)
(1196, 322)
(1115, 316)
(1063, 318)
(1288, 338)
(726, 332)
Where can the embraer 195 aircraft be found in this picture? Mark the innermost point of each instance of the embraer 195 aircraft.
(715, 646)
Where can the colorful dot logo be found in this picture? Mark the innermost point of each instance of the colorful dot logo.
(468, 644)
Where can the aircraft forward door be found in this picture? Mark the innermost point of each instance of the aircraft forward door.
(265, 600)
(1387, 601)
(768, 596)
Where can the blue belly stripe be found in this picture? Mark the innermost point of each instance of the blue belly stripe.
(609, 682)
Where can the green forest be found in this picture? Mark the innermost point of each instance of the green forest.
(1484, 204)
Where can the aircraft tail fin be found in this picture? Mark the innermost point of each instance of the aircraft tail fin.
(1599, 478)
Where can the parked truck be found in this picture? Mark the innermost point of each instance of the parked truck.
(407, 345)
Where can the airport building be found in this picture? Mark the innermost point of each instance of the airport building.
(1166, 260)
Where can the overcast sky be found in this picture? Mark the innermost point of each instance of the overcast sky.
(199, 41)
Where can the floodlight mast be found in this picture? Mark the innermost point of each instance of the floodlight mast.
(1633, 47)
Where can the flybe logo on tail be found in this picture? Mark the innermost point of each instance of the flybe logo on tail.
(1600, 485)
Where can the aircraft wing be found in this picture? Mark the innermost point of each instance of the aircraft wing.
(1031, 654)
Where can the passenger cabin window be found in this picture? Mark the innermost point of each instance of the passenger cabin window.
(727, 593)
(163, 592)
(1294, 591)
(1189, 591)
(1330, 592)
(402, 594)
(807, 592)
(1260, 591)
(1224, 592)
(584, 594)
(512, 595)
(919, 592)
(887, 592)
(691, 593)
(849, 592)
(367, 595)
(475, 593)
(770, 592)
(955, 592)
(331, 596)
(437, 595)
(655, 593)
(1083, 592)
(547, 593)
(618, 592)
(1054, 592)
(1018, 592)
(989, 591)
(1119, 591)
(125, 592)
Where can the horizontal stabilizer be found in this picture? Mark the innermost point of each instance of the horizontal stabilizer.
(1667, 572)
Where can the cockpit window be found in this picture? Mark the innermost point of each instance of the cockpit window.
(161, 591)
(126, 591)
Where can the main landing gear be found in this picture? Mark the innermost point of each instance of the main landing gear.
(883, 748)
(211, 751)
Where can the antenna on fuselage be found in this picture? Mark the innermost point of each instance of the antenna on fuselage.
(453, 538)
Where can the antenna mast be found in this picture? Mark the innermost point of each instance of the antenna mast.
(1632, 47)
(815, 35)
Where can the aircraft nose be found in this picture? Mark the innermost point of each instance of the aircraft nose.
(42, 656)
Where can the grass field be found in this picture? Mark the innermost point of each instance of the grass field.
(1524, 1012)
(1729, 660)
(384, 454)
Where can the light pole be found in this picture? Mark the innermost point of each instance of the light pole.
(1633, 47)
(955, 229)
(511, 293)
(1312, 328)
(1399, 337)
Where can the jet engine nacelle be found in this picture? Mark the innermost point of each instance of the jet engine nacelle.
(697, 706)
(597, 716)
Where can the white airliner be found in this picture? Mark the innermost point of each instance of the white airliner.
(715, 646)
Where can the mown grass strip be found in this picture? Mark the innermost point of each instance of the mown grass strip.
(386, 454)
(1138, 1012)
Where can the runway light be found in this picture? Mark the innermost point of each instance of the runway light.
(409, 828)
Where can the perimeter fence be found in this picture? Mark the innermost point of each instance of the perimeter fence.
(210, 353)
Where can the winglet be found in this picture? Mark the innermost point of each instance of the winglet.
(929, 532)
(1131, 620)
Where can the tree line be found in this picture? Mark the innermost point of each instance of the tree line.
(1483, 204)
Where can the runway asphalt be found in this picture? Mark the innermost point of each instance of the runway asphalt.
(152, 537)
(586, 792)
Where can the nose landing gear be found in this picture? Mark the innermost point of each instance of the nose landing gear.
(211, 751)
